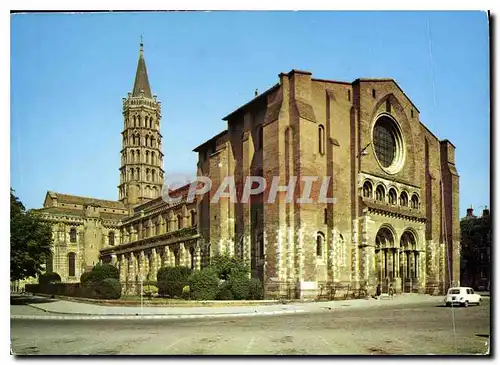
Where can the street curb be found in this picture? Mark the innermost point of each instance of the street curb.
(151, 316)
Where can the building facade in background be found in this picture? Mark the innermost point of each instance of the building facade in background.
(475, 250)
(394, 219)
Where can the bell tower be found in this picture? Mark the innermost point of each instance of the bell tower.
(141, 171)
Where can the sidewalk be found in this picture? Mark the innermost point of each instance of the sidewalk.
(77, 310)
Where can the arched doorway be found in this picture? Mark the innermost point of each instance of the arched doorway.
(385, 258)
(409, 261)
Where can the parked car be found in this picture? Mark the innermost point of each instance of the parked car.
(462, 296)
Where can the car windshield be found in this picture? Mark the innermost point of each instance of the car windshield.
(454, 291)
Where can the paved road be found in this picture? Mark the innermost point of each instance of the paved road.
(410, 329)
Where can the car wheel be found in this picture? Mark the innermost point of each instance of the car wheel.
(448, 304)
(466, 303)
(479, 302)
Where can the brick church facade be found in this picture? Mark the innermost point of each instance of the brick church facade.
(394, 219)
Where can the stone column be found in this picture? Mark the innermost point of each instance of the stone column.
(123, 268)
(171, 257)
(165, 257)
(197, 258)
(140, 271)
(396, 258)
(380, 276)
(132, 267)
(182, 255)
(154, 267)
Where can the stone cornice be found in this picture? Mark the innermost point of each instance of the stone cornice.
(186, 234)
(393, 211)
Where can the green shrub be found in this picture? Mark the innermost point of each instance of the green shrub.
(171, 280)
(109, 288)
(104, 271)
(224, 292)
(239, 284)
(225, 264)
(204, 284)
(256, 289)
(150, 290)
(49, 277)
(85, 277)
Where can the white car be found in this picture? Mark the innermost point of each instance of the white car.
(462, 296)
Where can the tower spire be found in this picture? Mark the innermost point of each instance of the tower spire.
(141, 83)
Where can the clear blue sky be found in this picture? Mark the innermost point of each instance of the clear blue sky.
(70, 72)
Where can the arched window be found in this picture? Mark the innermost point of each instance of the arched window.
(321, 139)
(325, 216)
(71, 264)
(380, 193)
(137, 174)
(153, 175)
(111, 238)
(403, 199)
(260, 137)
(414, 201)
(135, 121)
(137, 156)
(146, 139)
(72, 235)
(153, 158)
(179, 221)
(367, 190)
(393, 197)
(193, 218)
(147, 156)
(153, 142)
(320, 243)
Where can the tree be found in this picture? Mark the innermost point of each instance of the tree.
(30, 241)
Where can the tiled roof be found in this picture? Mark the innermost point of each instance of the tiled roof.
(74, 199)
(61, 211)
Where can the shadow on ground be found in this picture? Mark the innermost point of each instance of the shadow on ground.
(25, 299)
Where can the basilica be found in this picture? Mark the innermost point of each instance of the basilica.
(394, 219)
